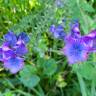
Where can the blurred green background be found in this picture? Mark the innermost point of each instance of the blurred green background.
(46, 71)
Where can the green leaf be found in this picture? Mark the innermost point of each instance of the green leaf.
(28, 77)
(82, 84)
(86, 71)
(78, 9)
(86, 6)
(89, 24)
(30, 82)
(8, 93)
(49, 66)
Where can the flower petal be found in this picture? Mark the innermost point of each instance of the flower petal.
(92, 34)
(14, 64)
(6, 51)
(20, 48)
(90, 40)
(52, 28)
(7, 54)
(24, 37)
(10, 37)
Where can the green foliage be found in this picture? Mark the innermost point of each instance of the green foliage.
(49, 66)
(46, 71)
(28, 77)
(80, 9)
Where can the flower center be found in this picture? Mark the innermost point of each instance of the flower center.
(76, 49)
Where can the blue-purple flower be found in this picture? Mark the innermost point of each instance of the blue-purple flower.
(12, 51)
(77, 47)
(58, 32)
(14, 64)
(75, 51)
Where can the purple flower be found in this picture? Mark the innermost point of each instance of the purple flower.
(77, 47)
(12, 50)
(58, 32)
(14, 64)
(11, 38)
(75, 51)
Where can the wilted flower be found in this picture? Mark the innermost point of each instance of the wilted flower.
(12, 51)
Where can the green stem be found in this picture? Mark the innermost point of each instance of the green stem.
(62, 94)
(94, 57)
(34, 90)
(82, 84)
(41, 90)
(92, 88)
(22, 92)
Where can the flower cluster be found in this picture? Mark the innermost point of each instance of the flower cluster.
(12, 51)
(77, 47)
